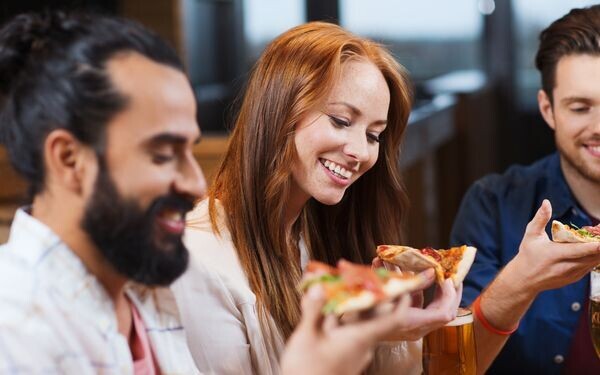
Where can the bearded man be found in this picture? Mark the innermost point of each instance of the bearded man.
(99, 117)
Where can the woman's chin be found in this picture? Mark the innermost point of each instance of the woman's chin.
(329, 200)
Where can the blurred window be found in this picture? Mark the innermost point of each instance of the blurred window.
(531, 17)
(266, 19)
(429, 37)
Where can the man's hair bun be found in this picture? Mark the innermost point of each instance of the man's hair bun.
(20, 37)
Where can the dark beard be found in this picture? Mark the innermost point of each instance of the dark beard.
(129, 237)
(578, 165)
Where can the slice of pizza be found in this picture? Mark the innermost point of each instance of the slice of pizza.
(352, 287)
(565, 233)
(453, 263)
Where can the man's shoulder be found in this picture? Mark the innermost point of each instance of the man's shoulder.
(18, 289)
(519, 178)
(17, 276)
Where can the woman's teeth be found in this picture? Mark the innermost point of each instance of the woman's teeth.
(336, 169)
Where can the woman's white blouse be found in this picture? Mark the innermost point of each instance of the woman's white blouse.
(218, 310)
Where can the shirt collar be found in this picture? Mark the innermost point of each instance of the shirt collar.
(559, 193)
(59, 268)
(26, 229)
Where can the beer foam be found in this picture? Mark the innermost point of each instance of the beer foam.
(463, 317)
(595, 284)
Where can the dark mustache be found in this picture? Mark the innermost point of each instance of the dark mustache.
(174, 201)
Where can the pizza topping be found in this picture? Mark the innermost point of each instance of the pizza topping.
(319, 268)
(319, 273)
(383, 273)
(450, 260)
(352, 281)
(592, 231)
(432, 253)
(453, 263)
(586, 231)
(361, 277)
(334, 301)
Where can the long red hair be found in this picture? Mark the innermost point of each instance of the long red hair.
(294, 75)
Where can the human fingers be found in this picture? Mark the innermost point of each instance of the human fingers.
(312, 304)
(427, 278)
(445, 297)
(449, 294)
(417, 299)
(402, 305)
(590, 250)
(380, 325)
(377, 262)
(416, 323)
(444, 305)
(392, 267)
(330, 322)
(537, 225)
(458, 297)
(575, 269)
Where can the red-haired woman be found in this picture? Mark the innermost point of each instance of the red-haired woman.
(311, 172)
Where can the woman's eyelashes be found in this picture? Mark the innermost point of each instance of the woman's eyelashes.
(374, 138)
(339, 122)
(343, 123)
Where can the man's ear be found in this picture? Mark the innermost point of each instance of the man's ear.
(546, 109)
(69, 163)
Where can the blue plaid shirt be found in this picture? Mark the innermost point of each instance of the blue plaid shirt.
(493, 217)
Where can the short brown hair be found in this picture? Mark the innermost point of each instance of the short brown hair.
(578, 32)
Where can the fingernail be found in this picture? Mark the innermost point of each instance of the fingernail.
(315, 292)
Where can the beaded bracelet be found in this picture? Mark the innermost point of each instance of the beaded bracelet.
(485, 323)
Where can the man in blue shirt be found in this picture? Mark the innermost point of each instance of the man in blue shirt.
(528, 281)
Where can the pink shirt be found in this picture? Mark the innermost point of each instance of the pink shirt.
(143, 360)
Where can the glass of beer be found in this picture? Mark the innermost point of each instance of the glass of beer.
(595, 308)
(451, 349)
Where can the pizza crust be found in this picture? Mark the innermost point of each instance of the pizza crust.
(392, 287)
(397, 287)
(564, 233)
(405, 256)
(365, 300)
(411, 259)
(464, 265)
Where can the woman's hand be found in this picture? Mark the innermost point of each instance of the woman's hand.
(321, 345)
(419, 321)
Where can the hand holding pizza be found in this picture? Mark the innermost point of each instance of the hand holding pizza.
(420, 321)
(321, 345)
(542, 264)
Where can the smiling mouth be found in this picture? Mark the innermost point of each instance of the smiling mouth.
(336, 170)
(171, 221)
(594, 149)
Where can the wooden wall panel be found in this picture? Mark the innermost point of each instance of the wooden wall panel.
(162, 16)
(12, 186)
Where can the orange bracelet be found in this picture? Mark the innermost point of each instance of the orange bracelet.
(485, 323)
